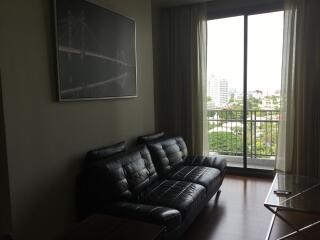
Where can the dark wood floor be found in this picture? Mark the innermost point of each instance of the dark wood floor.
(238, 214)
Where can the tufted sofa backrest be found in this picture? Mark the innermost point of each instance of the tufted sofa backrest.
(168, 153)
(105, 152)
(125, 176)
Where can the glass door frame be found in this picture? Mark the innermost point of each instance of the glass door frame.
(245, 11)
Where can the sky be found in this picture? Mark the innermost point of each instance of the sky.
(265, 39)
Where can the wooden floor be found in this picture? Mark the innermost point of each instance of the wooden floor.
(238, 214)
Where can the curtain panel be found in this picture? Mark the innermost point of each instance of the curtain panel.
(182, 80)
(299, 133)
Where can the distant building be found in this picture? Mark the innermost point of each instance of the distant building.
(217, 90)
(220, 91)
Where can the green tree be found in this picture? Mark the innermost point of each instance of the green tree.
(226, 143)
(261, 136)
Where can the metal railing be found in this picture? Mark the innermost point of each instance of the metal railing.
(226, 132)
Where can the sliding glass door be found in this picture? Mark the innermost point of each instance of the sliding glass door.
(225, 88)
(265, 37)
(243, 84)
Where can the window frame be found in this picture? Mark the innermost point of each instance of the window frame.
(217, 10)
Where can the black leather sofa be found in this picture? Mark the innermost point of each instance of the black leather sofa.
(157, 182)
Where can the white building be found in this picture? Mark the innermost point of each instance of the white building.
(220, 92)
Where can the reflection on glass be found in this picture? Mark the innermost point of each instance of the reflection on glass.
(305, 193)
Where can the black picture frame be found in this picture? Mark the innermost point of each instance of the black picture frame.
(95, 52)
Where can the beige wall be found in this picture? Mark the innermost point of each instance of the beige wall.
(5, 214)
(46, 139)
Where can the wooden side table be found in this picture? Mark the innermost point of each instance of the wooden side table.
(105, 227)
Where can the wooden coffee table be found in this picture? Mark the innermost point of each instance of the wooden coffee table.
(105, 227)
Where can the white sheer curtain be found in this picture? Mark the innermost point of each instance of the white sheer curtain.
(299, 132)
(182, 75)
(199, 77)
(285, 139)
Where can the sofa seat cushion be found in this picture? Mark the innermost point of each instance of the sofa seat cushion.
(186, 197)
(206, 176)
(171, 218)
(218, 162)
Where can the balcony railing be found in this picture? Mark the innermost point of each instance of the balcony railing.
(226, 132)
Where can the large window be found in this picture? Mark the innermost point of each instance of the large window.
(244, 78)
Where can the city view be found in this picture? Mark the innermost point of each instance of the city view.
(225, 94)
(225, 117)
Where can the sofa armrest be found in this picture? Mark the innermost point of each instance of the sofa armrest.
(218, 162)
(168, 217)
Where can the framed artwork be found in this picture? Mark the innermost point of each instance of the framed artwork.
(95, 52)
